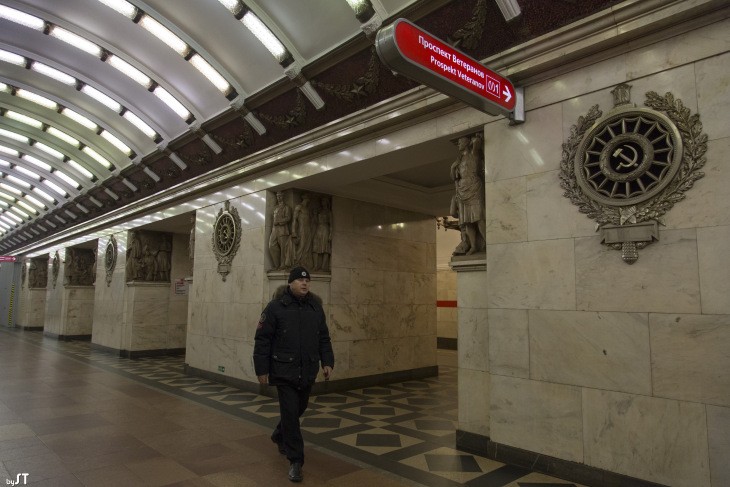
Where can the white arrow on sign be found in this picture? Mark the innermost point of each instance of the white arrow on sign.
(507, 94)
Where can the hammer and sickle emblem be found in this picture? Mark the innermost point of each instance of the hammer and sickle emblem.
(628, 161)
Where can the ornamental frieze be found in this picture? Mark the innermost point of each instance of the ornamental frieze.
(626, 169)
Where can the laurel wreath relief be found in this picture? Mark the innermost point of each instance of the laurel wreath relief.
(693, 159)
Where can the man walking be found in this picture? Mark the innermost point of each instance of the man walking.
(292, 339)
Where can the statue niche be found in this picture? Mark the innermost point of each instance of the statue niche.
(80, 267)
(149, 256)
(468, 202)
(38, 273)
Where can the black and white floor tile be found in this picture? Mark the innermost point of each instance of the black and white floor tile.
(406, 428)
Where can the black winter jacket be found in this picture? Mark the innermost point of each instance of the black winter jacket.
(292, 338)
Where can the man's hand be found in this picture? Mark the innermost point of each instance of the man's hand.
(327, 371)
(264, 379)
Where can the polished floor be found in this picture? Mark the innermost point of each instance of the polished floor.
(73, 416)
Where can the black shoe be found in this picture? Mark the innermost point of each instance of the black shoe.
(295, 472)
(279, 445)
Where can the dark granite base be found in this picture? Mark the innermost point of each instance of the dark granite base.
(556, 467)
(443, 343)
(31, 328)
(65, 338)
(137, 354)
(320, 387)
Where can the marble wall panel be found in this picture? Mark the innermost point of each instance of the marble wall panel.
(712, 94)
(424, 286)
(664, 279)
(78, 312)
(532, 275)
(506, 210)
(676, 51)
(149, 337)
(148, 312)
(473, 411)
(713, 245)
(109, 300)
(537, 416)
(472, 289)
(690, 357)
(360, 322)
(196, 351)
(224, 352)
(474, 343)
(367, 357)
(367, 286)
(530, 148)
(396, 287)
(399, 354)
(446, 283)
(600, 350)
(176, 336)
(629, 434)
(54, 316)
(718, 432)
(509, 345)
(549, 214)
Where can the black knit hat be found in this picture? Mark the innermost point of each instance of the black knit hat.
(298, 273)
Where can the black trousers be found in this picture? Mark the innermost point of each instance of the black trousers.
(293, 401)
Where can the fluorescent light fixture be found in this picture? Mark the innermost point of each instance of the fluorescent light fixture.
(8, 150)
(80, 119)
(21, 18)
(75, 40)
(82, 207)
(7, 197)
(71, 181)
(60, 219)
(49, 222)
(129, 70)
(3, 87)
(12, 58)
(80, 168)
(97, 157)
(233, 5)
(5, 226)
(95, 201)
(164, 34)
(28, 172)
(35, 201)
(101, 98)
(20, 212)
(4, 204)
(43, 229)
(13, 215)
(14, 136)
(49, 150)
(510, 9)
(27, 207)
(53, 73)
(264, 35)
(24, 119)
(171, 102)
(63, 136)
(18, 181)
(70, 213)
(209, 72)
(178, 162)
(55, 187)
(36, 232)
(121, 6)
(37, 162)
(129, 184)
(113, 140)
(8, 220)
(12, 189)
(141, 125)
(4, 163)
(44, 195)
(37, 99)
(111, 193)
(151, 174)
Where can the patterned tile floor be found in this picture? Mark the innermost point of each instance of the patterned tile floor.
(407, 428)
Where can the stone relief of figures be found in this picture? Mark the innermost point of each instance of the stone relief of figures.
(79, 267)
(38, 273)
(149, 256)
(191, 244)
(468, 203)
(302, 237)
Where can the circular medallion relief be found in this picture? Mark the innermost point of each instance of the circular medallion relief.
(110, 255)
(224, 236)
(628, 157)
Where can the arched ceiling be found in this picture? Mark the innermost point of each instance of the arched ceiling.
(105, 101)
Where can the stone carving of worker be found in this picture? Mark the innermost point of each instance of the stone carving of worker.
(162, 261)
(280, 238)
(467, 171)
(322, 243)
(134, 263)
(302, 233)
